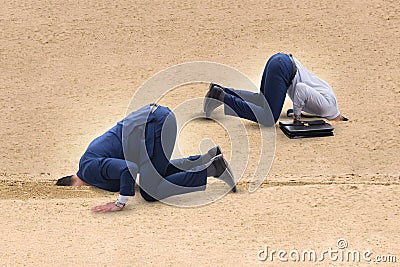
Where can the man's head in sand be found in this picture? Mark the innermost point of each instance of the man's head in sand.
(70, 180)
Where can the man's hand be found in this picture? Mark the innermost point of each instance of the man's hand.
(106, 208)
(297, 120)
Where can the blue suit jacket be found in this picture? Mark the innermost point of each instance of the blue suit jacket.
(125, 141)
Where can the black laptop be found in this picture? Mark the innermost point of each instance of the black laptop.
(307, 129)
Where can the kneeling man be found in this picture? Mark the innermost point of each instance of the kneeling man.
(142, 143)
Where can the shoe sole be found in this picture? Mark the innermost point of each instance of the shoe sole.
(206, 102)
(210, 103)
(227, 176)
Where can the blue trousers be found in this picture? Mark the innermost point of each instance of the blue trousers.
(264, 107)
(161, 177)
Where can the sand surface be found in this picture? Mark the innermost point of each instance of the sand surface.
(68, 71)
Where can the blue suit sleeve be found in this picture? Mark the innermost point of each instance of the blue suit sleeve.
(127, 183)
(122, 170)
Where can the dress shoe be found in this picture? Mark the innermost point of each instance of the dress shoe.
(223, 171)
(211, 99)
(210, 154)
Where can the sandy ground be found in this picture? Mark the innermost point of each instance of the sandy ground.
(68, 71)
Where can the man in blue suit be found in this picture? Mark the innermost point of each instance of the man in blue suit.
(283, 74)
(142, 143)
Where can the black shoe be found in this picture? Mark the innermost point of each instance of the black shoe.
(211, 153)
(223, 172)
(211, 99)
(214, 151)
